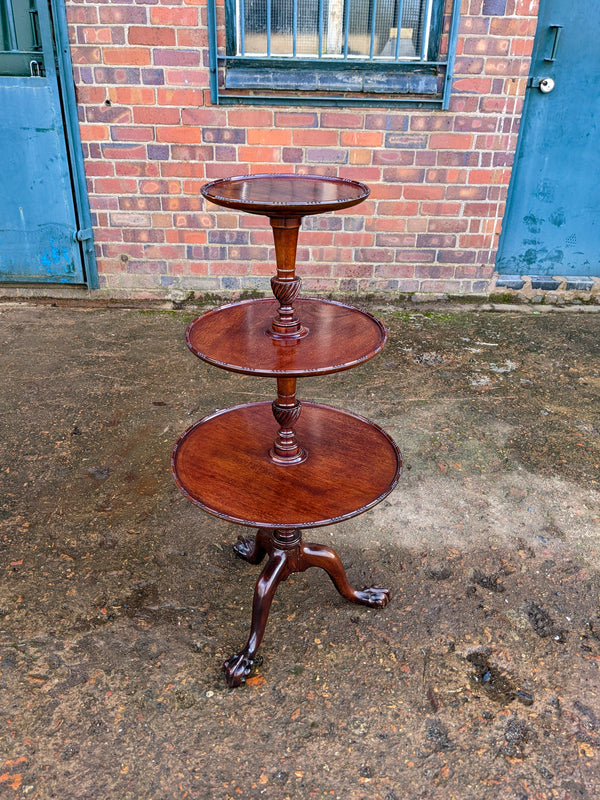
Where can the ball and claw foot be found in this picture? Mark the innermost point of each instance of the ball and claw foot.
(244, 546)
(248, 548)
(237, 669)
(374, 596)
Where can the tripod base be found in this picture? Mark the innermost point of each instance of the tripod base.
(287, 554)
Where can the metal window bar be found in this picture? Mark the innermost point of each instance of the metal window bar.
(425, 32)
(398, 28)
(321, 25)
(373, 18)
(347, 9)
(295, 28)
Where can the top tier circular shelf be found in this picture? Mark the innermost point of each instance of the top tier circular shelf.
(285, 195)
(235, 337)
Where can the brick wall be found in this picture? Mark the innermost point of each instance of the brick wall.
(151, 138)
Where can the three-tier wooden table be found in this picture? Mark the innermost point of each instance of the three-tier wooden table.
(285, 466)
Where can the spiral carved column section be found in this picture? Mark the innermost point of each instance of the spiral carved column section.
(286, 409)
(285, 284)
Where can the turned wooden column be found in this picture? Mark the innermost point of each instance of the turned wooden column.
(285, 284)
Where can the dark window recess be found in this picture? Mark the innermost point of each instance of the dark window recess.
(346, 51)
(20, 43)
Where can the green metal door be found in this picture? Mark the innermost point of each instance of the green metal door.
(552, 226)
(45, 233)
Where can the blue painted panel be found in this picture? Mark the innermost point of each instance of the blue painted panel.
(552, 224)
(37, 219)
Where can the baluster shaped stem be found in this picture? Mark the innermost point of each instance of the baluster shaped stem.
(285, 284)
(286, 410)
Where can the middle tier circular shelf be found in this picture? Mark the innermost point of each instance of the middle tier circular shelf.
(221, 463)
(237, 338)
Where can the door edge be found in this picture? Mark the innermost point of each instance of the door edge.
(66, 89)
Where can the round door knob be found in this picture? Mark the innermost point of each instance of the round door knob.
(546, 85)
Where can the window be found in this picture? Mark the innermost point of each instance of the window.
(350, 51)
(20, 43)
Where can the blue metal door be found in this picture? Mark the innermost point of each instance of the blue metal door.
(41, 235)
(552, 221)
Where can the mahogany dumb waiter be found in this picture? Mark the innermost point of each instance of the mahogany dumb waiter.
(285, 466)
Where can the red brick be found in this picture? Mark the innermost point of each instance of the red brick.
(179, 97)
(173, 15)
(130, 55)
(184, 204)
(431, 123)
(81, 14)
(115, 14)
(139, 169)
(424, 192)
(156, 187)
(315, 138)
(511, 26)
(176, 57)
(450, 141)
(361, 138)
(204, 116)
(262, 155)
(115, 186)
(473, 85)
(403, 157)
(446, 176)
(93, 133)
(467, 193)
(124, 151)
(487, 46)
(179, 134)
(86, 55)
(395, 240)
(162, 37)
(250, 118)
(294, 119)
(131, 95)
(95, 35)
(108, 114)
(131, 133)
(445, 225)
(155, 115)
(440, 209)
(186, 77)
(341, 120)
(397, 208)
(463, 104)
(414, 256)
(268, 136)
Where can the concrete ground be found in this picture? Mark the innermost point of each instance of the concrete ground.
(119, 600)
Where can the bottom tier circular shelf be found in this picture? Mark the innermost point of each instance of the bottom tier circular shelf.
(221, 463)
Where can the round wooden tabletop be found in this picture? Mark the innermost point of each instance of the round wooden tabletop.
(221, 463)
(237, 337)
(285, 195)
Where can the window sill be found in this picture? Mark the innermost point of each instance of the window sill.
(354, 79)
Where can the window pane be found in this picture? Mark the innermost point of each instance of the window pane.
(334, 28)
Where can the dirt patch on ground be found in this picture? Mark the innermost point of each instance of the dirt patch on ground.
(119, 600)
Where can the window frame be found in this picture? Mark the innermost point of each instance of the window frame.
(330, 80)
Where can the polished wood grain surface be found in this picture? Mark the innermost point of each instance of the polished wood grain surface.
(236, 337)
(222, 465)
(284, 466)
(285, 195)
